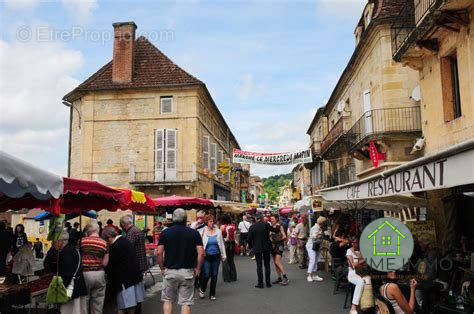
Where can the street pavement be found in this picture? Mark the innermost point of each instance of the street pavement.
(299, 297)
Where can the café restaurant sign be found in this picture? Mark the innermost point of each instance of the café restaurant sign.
(440, 173)
(244, 157)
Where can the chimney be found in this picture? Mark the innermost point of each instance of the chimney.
(124, 51)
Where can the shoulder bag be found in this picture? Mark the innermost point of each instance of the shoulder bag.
(70, 287)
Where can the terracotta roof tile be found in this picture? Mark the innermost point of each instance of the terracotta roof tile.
(152, 68)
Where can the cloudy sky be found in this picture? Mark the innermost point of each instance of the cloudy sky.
(268, 64)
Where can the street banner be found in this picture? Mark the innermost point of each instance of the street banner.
(244, 157)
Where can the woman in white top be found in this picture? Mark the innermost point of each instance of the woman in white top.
(392, 293)
(354, 258)
(316, 232)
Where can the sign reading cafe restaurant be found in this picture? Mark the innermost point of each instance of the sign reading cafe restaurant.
(416, 176)
(244, 157)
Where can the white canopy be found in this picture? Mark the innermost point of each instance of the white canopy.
(18, 178)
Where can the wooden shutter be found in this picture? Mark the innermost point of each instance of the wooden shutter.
(166, 104)
(227, 175)
(213, 157)
(159, 154)
(171, 147)
(220, 157)
(205, 149)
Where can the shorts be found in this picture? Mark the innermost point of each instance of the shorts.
(243, 238)
(277, 249)
(131, 296)
(178, 286)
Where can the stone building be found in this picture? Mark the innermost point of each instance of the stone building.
(301, 182)
(256, 190)
(143, 122)
(436, 38)
(286, 196)
(370, 108)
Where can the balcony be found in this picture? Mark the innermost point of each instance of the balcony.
(343, 175)
(182, 175)
(401, 29)
(383, 122)
(334, 134)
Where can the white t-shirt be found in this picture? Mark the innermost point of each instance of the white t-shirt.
(244, 226)
(350, 252)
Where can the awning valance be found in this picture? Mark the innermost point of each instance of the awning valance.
(18, 178)
(448, 168)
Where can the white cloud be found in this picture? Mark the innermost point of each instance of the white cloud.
(81, 9)
(33, 79)
(21, 4)
(248, 89)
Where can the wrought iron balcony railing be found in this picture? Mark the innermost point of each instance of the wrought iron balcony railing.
(422, 7)
(343, 175)
(402, 27)
(384, 122)
(163, 175)
(334, 134)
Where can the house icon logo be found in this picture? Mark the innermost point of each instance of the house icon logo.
(386, 244)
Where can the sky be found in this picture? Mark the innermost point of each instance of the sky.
(268, 64)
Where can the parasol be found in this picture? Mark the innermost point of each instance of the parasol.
(47, 215)
(286, 210)
(22, 183)
(136, 201)
(185, 202)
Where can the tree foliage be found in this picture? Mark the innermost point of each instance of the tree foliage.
(273, 184)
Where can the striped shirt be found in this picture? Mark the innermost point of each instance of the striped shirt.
(93, 251)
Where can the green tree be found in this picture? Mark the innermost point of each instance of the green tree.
(273, 184)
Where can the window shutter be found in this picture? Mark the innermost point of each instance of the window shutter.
(159, 154)
(220, 157)
(171, 147)
(213, 157)
(166, 104)
(205, 148)
(227, 175)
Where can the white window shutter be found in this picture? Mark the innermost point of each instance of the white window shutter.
(166, 104)
(213, 157)
(220, 156)
(159, 154)
(171, 149)
(205, 149)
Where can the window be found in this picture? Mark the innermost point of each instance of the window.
(317, 174)
(213, 157)
(227, 175)
(165, 154)
(450, 88)
(205, 149)
(166, 104)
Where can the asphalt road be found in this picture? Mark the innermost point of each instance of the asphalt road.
(299, 297)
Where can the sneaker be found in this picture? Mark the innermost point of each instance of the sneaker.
(201, 294)
(212, 298)
(277, 281)
(353, 312)
(253, 257)
(310, 278)
(241, 254)
(317, 278)
(284, 282)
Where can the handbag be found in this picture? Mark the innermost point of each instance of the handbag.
(57, 293)
(316, 244)
(70, 287)
(293, 240)
(367, 298)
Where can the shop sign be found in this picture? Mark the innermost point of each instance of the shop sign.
(244, 157)
(426, 228)
(443, 173)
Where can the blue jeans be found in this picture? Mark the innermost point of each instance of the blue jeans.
(211, 270)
